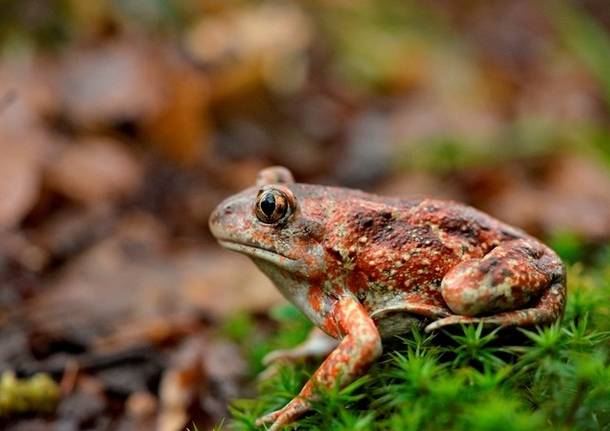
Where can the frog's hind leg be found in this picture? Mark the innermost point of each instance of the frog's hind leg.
(317, 345)
(548, 309)
(520, 282)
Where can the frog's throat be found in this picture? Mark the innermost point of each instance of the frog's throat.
(277, 259)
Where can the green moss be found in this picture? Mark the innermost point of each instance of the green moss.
(38, 394)
(470, 379)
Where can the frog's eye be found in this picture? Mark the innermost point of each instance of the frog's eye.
(273, 205)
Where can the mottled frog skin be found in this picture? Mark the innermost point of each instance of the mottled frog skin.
(363, 267)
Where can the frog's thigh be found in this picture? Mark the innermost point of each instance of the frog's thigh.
(510, 277)
(548, 309)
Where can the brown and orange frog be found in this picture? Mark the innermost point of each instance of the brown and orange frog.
(364, 267)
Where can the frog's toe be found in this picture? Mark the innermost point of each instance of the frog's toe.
(269, 372)
(451, 320)
(268, 418)
(316, 346)
(279, 418)
(273, 362)
(282, 355)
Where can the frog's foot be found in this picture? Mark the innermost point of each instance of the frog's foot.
(547, 309)
(453, 320)
(269, 418)
(284, 416)
(317, 345)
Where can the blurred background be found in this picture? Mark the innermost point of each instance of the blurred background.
(123, 123)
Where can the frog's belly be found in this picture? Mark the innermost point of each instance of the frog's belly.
(397, 323)
(399, 314)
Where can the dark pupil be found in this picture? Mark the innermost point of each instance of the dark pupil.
(268, 204)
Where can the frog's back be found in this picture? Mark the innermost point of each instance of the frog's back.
(397, 251)
(382, 226)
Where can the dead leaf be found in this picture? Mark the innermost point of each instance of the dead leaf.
(180, 385)
(131, 280)
(241, 49)
(181, 129)
(94, 171)
(24, 145)
(141, 405)
(19, 186)
(557, 194)
(115, 82)
(225, 369)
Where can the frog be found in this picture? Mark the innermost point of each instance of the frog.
(364, 268)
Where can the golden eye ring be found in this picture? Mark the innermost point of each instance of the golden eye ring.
(274, 204)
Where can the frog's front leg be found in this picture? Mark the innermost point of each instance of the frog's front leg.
(317, 345)
(360, 346)
(520, 282)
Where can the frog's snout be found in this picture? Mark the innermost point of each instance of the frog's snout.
(222, 211)
(219, 217)
(230, 219)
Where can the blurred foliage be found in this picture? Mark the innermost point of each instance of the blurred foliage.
(568, 245)
(558, 378)
(40, 22)
(374, 53)
(51, 24)
(587, 38)
(380, 43)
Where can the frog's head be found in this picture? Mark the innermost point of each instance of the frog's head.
(279, 224)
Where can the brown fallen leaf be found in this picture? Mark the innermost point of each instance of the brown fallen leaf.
(226, 370)
(180, 385)
(23, 147)
(94, 171)
(180, 129)
(66, 232)
(564, 193)
(85, 404)
(577, 198)
(115, 82)
(141, 405)
(28, 90)
(21, 263)
(156, 331)
(415, 184)
(241, 49)
(19, 185)
(223, 283)
(25, 142)
(121, 279)
(132, 280)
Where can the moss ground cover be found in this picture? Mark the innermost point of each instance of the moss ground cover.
(470, 378)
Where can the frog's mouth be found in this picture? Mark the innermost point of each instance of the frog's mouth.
(257, 252)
